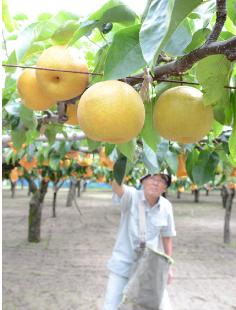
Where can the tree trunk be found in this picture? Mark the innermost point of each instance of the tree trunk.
(84, 185)
(72, 192)
(35, 212)
(224, 195)
(54, 204)
(22, 183)
(178, 194)
(78, 188)
(56, 188)
(196, 195)
(13, 189)
(227, 196)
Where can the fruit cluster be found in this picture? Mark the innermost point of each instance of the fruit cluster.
(111, 111)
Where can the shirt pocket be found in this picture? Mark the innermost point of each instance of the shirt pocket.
(155, 227)
(158, 222)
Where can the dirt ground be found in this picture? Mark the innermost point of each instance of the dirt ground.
(67, 269)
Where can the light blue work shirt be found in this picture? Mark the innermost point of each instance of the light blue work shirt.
(159, 223)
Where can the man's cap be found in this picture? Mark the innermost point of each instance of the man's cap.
(164, 176)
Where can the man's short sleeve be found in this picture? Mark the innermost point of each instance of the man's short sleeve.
(126, 199)
(169, 230)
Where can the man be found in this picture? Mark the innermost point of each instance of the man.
(160, 228)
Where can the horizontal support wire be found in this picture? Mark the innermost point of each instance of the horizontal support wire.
(101, 74)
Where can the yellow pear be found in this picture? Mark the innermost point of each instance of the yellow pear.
(62, 85)
(31, 94)
(180, 115)
(111, 111)
(71, 112)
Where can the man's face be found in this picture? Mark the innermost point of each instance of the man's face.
(154, 186)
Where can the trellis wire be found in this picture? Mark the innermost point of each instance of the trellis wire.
(101, 74)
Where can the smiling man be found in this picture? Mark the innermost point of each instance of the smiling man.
(160, 229)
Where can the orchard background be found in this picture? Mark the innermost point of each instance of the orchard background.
(171, 44)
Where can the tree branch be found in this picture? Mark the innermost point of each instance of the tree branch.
(221, 14)
(180, 66)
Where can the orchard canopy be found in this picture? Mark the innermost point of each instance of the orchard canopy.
(152, 89)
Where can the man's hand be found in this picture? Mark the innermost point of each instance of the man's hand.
(118, 189)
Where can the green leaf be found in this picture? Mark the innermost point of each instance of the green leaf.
(109, 148)
(31, 136)
(121, 62)
(18, 137)
(45, 30)
(99, 63)
(194, 15)
(51, 132)
(162, 150)
(163, 86)
(179, 40)
(191, 161)
(232, 139)
(119, 14)
(114, 11)
(217, 129)
(204, 169)
(21, 16)
(9, 89)
(231, 10)
(6, 17)
(145, 12)
(198, 38)
(64, 33)
(8, 156)
(54, 161)
(64, 16)
(128, 149)
(67, 146)
(225, 35)
(34, 50)
(44, 17)
(64, 148)
(93, 145)
(230, 26)
(150, 159)
(213, 74)
(154, 28)
(148, 133)
(162, 19)
(119, 168)
(206, 10)
(11, 60)
(172, 161)
(27, 117)
(25, 40)
(84, 29)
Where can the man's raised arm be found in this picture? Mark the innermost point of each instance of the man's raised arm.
(118, 189)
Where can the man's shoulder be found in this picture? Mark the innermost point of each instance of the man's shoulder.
(165, 203)
(131, 189)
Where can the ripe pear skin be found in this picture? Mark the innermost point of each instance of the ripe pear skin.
(62, 85)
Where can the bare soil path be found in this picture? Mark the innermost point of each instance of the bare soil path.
(67, 269)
